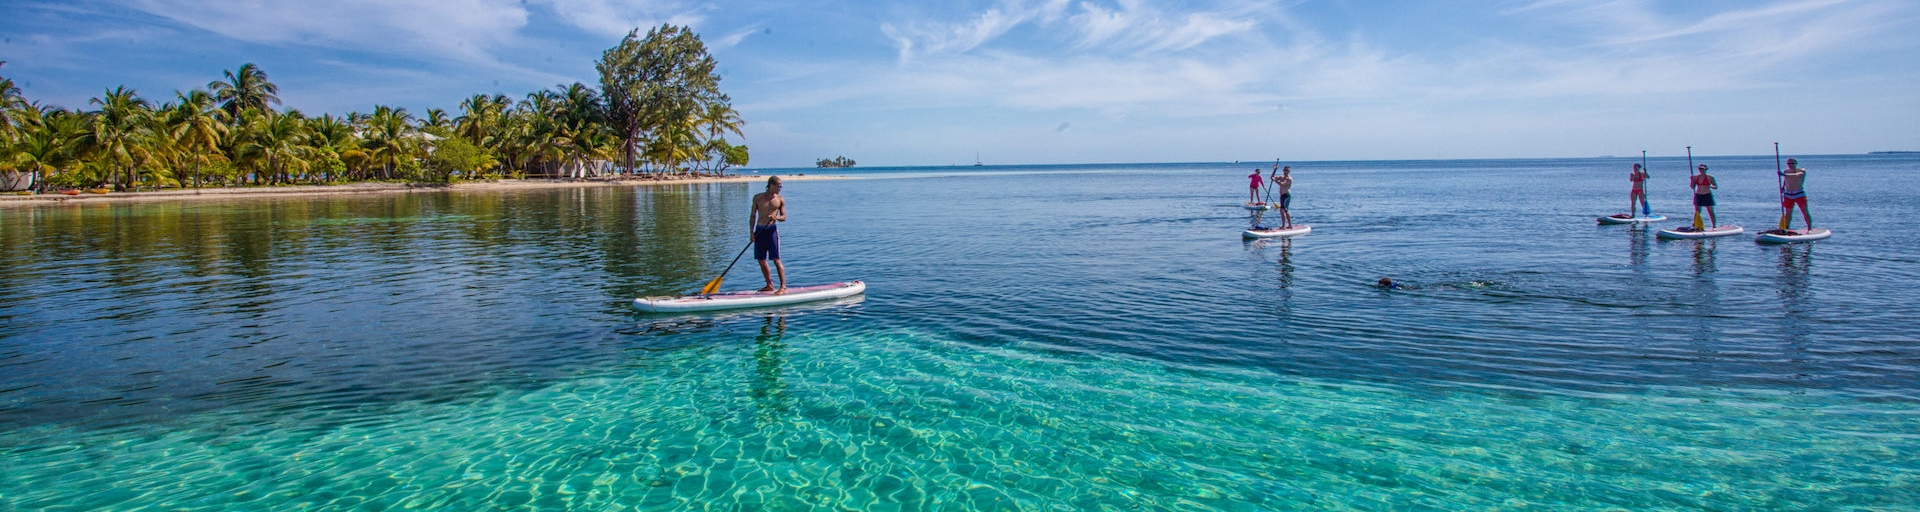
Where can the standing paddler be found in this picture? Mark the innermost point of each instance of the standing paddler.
(1638, 196)
(1284, 185)
(1703, 185)
(1793, 191)
(1253, 188)
(768, 209)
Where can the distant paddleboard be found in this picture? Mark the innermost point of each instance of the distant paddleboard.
(1257, 206)
(1622, 218)
(1688, 232)
(748, 299)
(1787, 236)
(1296, 230)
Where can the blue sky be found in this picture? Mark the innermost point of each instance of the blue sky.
(1074, 81)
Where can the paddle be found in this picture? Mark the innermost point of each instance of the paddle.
(1697, 226)
(1780, 176)
(713, 286)
(1646, 209)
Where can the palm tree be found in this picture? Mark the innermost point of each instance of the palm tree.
(247, 88)
(10, 100)
(719, 118)
(116, 131)
(196, 126)
(390, 137)
(276, 143)
(337, 136)
(480, 117)
(437, 122)
(47, 141)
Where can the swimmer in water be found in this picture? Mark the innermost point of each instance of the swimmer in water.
(1387, 284)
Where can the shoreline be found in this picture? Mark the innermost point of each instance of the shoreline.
(10, 200)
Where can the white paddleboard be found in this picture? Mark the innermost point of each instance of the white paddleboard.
(1296, 230)
(1687, 232)
(749, 299)
(1621, 218)
(1776, 236)
(1257, 206)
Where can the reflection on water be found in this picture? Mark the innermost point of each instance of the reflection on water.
(769, 389)
(1037, 341)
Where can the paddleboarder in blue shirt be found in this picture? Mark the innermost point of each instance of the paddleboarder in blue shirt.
(769, 208)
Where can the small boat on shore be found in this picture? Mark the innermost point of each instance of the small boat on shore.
(749, 299)
(99, 190)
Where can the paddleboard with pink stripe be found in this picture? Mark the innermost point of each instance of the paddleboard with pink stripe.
(749, 299)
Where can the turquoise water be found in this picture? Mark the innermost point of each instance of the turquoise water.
(1084, 337)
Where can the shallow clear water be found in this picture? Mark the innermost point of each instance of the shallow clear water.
(1079, 337)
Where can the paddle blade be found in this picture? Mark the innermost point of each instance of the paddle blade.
(713, 286)
(1696, 221)
(1785, 219)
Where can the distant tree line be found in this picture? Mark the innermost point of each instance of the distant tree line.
(658, 110)
(837, 162)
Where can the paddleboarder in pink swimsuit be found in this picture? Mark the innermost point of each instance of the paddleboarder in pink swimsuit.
(1253, 189)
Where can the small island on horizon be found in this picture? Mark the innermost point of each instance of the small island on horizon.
(1893, 152)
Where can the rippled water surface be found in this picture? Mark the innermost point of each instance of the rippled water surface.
(1076, 337)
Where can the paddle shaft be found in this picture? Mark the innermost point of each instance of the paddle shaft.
(714, 285)
(1690, 169)
(1644, 207)
(1780, 176)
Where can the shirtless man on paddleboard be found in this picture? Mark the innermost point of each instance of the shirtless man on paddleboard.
(1284, 185)
(1793, 192)
(768, 209)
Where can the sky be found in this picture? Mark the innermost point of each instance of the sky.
(953, 82)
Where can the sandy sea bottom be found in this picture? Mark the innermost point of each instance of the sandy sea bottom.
(908, 420)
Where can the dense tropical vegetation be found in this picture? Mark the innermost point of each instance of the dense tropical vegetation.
(659, 111)
(838, 162)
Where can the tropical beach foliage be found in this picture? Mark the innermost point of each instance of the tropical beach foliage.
(838, 162)
(659, 111)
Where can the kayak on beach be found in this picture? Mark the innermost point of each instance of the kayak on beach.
(1624, 218)
(748, 299)
(1787, 236)
(1688, 232)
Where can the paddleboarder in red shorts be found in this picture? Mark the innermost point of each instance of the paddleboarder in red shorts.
(1794, 192)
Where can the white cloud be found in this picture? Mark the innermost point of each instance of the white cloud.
(419, 29)
(616, 18)
(951, 37)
